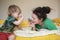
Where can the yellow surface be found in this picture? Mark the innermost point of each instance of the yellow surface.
(24, 23)
(57, 21)
(54, 37)
(48, 37)
(1, 21)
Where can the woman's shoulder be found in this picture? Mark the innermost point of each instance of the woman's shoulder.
(47, 20)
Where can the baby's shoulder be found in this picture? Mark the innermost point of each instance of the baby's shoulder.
(11, 18)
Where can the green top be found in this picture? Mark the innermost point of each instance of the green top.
(48, 24)
(8, 25)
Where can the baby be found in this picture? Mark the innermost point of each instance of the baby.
(11, 22)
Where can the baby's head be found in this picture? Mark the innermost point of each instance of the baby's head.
(14, 11)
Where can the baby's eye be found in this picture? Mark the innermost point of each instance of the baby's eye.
(33, 18)
(18, 13)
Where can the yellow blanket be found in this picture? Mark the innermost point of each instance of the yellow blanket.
(48, 37)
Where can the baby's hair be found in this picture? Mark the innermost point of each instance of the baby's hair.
(13, 9)
(41, 12)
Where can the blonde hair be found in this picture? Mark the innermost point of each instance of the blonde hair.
(13, 9)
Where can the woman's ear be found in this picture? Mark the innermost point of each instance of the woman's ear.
(41, 20)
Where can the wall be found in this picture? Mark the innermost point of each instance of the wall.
(59, 7)
(28, 5)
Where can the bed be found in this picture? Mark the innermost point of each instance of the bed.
(47, 37)
(43, 34)
(53, 35)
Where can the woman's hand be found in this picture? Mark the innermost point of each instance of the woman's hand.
(31, 23)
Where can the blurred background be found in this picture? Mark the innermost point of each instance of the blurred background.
(28, 5)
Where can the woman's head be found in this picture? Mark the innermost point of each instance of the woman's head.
(14, 10)
(40, 13)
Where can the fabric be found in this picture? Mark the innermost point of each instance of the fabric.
(4, 36)
(48, 37)
(38, 26)
(48, 24)
(8, 26)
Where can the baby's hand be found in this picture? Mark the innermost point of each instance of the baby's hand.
(21, 17)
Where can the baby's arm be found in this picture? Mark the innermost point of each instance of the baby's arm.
(19, 21)
(19, 27)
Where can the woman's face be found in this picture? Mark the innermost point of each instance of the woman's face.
(35, 19)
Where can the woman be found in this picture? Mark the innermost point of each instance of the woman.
(40, 19)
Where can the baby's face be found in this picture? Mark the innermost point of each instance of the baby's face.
(16, 14)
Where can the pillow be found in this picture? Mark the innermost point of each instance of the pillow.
(57, 21)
